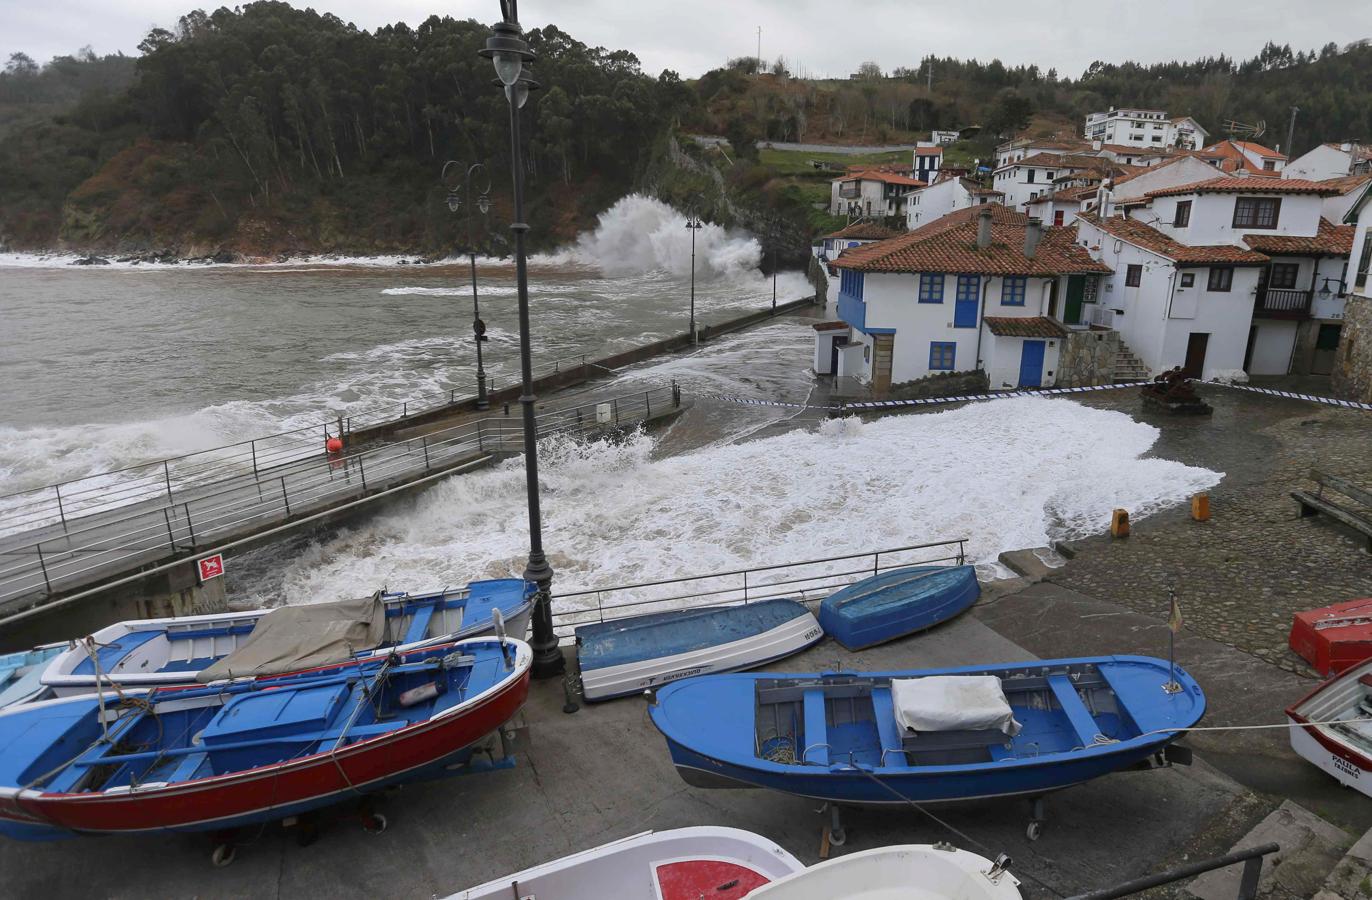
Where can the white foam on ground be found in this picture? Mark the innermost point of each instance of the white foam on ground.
(1004, 474)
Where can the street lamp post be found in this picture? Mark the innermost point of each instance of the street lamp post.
(773, 234)
(693, 222)
(459, 185)
(508, 50)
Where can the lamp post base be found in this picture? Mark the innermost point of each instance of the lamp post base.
(481, 401)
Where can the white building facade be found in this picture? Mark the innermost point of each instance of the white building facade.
(924, 205)
(1131, 127)
(870, 194)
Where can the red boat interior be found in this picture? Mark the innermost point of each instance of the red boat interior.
(691, 879)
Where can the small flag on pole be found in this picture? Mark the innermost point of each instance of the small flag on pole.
(1174, 619)
(1173, 626)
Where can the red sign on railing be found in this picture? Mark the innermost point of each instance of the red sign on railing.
(211, 566)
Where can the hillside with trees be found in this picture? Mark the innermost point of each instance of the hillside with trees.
(268, 130)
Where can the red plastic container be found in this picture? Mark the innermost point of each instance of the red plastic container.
(1333, 638)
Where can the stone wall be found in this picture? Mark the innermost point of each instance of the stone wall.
(1352, 376)
(819, 280)
(941, 384)
(1088, 358)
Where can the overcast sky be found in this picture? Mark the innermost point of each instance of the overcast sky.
(817, 38)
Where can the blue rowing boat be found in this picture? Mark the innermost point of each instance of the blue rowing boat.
(630, 655)
(896, 603)
(20, 674)
(146, 653)
(928, 735)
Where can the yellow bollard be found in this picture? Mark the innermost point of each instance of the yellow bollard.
(1200, 507)
(1119, 523)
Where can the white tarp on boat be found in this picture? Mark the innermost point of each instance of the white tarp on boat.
(952, 703)
(300, 637)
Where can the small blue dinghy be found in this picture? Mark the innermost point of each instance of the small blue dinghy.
(629, 655)
(896, 603)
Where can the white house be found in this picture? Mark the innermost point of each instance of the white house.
(1020, 148)
(1330, 161)
(1246, 156)
(870, 193)
(979, 289)
(1222, 276)
(828, 247)
(1144, 128)
(926, 204)
(928, 157)
(1349, 188)
(943, 137)
(1029, 178)
(1353, 370)
(1175, 171)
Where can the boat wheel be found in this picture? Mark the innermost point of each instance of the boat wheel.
(374, 824)
(1034, 831)
(838, 837)
(222, 855)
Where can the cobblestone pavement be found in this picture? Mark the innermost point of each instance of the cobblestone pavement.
(1240, 576)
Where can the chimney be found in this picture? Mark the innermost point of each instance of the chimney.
(984, 228)
(1033, 232)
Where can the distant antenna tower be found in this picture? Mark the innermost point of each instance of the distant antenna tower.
(1244, 131)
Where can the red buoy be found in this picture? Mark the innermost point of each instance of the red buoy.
(334, 445)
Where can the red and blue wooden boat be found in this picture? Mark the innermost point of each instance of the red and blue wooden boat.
(231, 754)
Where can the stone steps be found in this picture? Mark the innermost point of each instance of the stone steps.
(1128, 367)
(1313, 852)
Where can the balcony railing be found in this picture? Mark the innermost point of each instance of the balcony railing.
(1283, 304)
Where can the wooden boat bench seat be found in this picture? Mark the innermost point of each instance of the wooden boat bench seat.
(816, 749)
(419, 623)
(884, 710)
(1344, 512)
(1083, 723)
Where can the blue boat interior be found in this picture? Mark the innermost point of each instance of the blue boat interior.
(657, 635)
(177, 735)
(836, 719)
(415, 615)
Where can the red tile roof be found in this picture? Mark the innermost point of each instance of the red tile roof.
(1346, 184)
(863, 231)
(1030, 327)
(1154, 241)
(1330, 240)
(928, 151)
(884, 177)
(954, 249)
(1235, 159)
(1259, 149)
(1249, 185)
(1000, 215)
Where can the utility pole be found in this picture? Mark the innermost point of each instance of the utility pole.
(1291, 130)
(759, 49)
(929, 65)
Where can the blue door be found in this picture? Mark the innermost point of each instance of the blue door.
(1031, 365)
(969, 292)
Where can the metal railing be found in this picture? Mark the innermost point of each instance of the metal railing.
(105, 491)
(1275, 302)
(1248, 880)
(168, 527)
(809, 580)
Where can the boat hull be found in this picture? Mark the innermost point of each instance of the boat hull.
(681, 864)
(1343, 698)
(836, 736)
(636, 676)
(910, 872)
(1333, 638)
(271, 792)
(894, 604)
(1334, 760)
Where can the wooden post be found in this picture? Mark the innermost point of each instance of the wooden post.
(1119, 523)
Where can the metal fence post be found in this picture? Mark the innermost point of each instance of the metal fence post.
(647, 405)
(253, 445)
(1248, 881)
(615, 403)
(43, 566)
(425, 443)
(61, 513)
(745, 587)
(171, 535)
(189, 527)
(363, 473)
(876, 562)
(404, 409)
(285, 497)
(166, 473)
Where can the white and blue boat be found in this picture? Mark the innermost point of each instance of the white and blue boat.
(20, 674)
(636, 653)
(978, 731)
(145, 653)
(896, 603)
